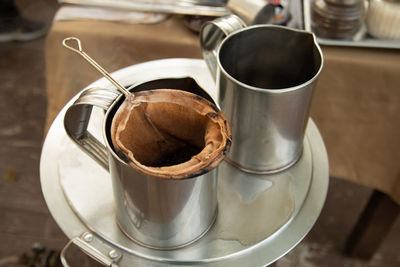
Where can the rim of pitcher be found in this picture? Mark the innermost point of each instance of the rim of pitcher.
(271, 90)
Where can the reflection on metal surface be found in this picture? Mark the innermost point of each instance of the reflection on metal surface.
(252, 207)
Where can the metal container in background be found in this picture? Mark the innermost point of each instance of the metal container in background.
(261, 11)
(338, 19)
(383, 19)
(247, 10)
(265, 76)
(156, 213)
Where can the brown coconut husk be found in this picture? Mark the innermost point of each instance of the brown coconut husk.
(170, 134)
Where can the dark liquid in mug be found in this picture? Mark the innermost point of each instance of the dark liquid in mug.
(177, 157)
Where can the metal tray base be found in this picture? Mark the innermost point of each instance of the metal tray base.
(261, 217)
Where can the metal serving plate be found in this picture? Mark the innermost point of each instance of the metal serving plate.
(360, 39)
(261, 217)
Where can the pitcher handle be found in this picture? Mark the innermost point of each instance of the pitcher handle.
(211, 35)
(77, 118)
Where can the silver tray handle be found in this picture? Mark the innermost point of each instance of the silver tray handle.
(77, 118)
(93, 247)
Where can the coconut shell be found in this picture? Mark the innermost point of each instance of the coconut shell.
(170, 134)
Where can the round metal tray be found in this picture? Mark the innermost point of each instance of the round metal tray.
(261, 217)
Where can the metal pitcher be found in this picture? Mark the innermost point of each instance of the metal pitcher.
(265, 77)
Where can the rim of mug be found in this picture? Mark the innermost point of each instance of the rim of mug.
(270, 90)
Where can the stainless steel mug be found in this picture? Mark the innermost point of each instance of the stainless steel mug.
(265, 76)
(154, 212)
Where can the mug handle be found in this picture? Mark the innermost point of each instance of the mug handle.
(77, 118)
(211, 35)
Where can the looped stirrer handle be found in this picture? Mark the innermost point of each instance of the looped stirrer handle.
(78, 42)
(94, 64)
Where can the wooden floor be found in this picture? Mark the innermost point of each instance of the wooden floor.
(25, 219)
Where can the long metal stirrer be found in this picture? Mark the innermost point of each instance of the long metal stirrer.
(120, 87)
